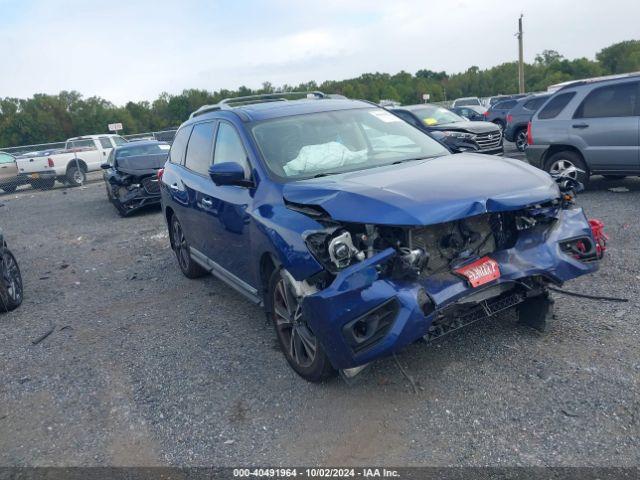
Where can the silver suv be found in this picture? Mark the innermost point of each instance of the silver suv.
(593, 125)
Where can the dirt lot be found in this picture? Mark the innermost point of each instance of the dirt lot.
(146, 367)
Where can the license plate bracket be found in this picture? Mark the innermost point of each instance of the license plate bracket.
(480, 272)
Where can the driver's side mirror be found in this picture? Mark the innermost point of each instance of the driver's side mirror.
(229, 173)
(105, 166)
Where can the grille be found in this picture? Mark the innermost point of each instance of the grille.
(489, 140)
(151, 185)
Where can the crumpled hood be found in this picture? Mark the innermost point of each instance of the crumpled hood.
(141, 164)
(426, 192)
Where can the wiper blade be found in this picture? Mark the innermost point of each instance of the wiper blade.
(325, 174)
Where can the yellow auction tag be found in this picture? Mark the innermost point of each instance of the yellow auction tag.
(430, 121)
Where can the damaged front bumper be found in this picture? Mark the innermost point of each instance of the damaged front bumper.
(131, 197)
(391, 313)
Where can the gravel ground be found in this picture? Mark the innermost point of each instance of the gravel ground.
(146, 367)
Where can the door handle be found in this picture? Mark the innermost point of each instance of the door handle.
(580, 125)
(207, 202)
(174, 186)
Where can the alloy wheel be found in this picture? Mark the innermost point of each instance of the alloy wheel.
(521, 141)
(559, 166)
(12, 278)
(297, 338)
(180, 245)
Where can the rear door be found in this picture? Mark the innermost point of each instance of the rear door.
(608, 124)
(8, 167)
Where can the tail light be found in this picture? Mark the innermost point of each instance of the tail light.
(597, 229)
(509, 118)
(529, 134)
(486, 113)
(160, 173)
(50, 162)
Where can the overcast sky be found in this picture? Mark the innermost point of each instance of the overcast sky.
(133, 50)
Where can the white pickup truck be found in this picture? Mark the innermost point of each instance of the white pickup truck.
(70, 164)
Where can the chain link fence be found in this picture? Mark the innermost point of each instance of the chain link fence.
(63, 164)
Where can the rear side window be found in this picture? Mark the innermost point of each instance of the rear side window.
(176, 155)
(555, 105)
(535, 103)
(612, 101)
(86, 144)
(104, 141)
(200, 149)
(505, 105)
(229, 147)
(6, 158)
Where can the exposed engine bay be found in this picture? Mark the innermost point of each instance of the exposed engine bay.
(426, 250)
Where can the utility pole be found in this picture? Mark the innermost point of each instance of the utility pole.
(520, 57)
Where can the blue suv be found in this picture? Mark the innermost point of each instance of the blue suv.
(357, 232)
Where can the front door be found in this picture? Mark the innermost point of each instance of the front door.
(607, 121)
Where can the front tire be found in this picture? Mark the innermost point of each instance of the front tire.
(189, 268)
(44, 184)
(10, 283)
(300, 346)
(9, 188)
(560, 161)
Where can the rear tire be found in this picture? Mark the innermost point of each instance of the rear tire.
(76, 176)
(11, 292)
(500, 123)
(300, 346)
(521, 139)
(189, 268)
(562, 160)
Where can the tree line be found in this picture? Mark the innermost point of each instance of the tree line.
(49, 118)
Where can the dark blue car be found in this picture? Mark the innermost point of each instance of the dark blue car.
(358, 233)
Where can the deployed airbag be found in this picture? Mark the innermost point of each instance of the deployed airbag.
(325, 156)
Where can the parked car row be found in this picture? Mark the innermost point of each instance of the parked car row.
(68, 165)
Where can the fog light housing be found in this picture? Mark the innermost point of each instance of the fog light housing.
(368, 329)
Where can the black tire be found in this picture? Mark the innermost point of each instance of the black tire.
(11, 291)
(189, 268)
(9, 188)
(76, 176)
(500, 123)
(300, 347)
(520, 139)
(614, 177)
(564, 159)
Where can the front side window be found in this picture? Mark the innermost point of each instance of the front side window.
(200, 148)
(117, 140)
(505, 105)
(179, 145)
(325, 143)
(555, 105)
(229, 147)
(612, 101)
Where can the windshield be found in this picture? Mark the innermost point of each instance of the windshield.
(325, 143)
(138, 150)
(432, 115)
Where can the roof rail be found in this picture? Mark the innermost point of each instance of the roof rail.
(585, 81)
(228, 103)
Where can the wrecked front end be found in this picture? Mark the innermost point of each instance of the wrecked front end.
(130, 192)
(384, 287)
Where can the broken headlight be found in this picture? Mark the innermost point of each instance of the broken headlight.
(333, 249)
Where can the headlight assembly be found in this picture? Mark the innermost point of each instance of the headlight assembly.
(455, 134)
(334, 250)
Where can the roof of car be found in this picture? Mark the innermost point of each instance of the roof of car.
(138, 143)
(417, 106)
(285, 108)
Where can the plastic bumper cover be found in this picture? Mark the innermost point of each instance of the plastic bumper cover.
(359, 289)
